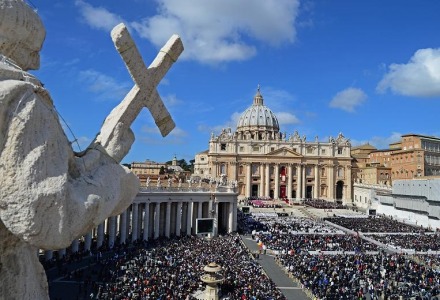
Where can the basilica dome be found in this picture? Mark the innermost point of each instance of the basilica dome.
(258, 117)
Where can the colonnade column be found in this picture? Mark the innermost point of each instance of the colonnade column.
(123, 227)
(111, 231)
(61, 253)
(74, 246)
(156, 220)
(48, 255)
(200, 211)
(267, 178)
(331, 182)
(168, 220)
(231, 217)
(316, 188)
(215, 208)
(100, 238)
(189, 218)
(178, 218)
(277, 181)
(146, 221)
(234, 215)
(134, 222)
(289, 181)
(88, 241)
(248, 179)
(298, 181)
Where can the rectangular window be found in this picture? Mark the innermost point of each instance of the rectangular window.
(223, 147)
(340, 150)
(309, 150)
(323, 151)
(256, 148)
(241, 149)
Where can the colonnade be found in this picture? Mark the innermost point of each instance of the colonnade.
(147, 219)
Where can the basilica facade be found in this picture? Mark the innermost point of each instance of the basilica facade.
(263, 162)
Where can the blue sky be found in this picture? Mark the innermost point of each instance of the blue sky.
(368, 69)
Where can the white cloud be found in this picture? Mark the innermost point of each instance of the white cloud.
(285, 118)
(106, 87)
(348, 99)
(420, 77)
(98, 17)
(212, 31)
(221, 30)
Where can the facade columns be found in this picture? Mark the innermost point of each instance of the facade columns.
(134, 222)
(303, 180)
(277, 181)
(289, 181)
(123, 227)
(331, 182)
(189, 218)
(348, 191)
(316, 188)
(111, 231)
(178, 218)
(267, 178)
(248, 180)
(262, 181)
(234, 171)
(146, 221)
(156, 220)
(299, 194)
(168, 220)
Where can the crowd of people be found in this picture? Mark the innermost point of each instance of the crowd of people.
(326, 260)
(171, 269)
(380, 276)
(418, 242)
(323, 204)
(375, 224)
(354, 268)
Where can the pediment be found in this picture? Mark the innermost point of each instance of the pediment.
(284, 152)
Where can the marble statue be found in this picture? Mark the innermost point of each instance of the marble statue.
(49, 194)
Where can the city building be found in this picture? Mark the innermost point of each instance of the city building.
(264, 162)
(151, 171)
(412, 157)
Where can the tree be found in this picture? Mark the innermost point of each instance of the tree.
(162, 170)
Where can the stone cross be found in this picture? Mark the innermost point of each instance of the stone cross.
(143, 93)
